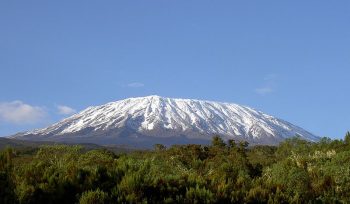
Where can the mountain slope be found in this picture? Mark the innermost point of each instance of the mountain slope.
(153, 119)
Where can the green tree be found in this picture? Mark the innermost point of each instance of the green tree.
(232, 144)
(7, 194)
(159, 147)
(242, 148)
(217, 141)
(347, 138)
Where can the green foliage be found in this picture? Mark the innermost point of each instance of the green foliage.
(347, 138)
(199, 195)
(94, 197)
(159, 147)
(7, 187)
(296, 171)
(217, 141)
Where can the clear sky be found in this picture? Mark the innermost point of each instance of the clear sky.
(290, 59)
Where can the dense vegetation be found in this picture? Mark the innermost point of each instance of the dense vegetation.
(296, 171)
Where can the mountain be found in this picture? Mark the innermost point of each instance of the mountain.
(144, 121)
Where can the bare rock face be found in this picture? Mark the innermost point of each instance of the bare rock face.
(147, 120)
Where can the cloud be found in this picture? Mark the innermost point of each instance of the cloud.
(264, 90)
(18, 112)
(268, 86)
(135, 85)
(65, 110)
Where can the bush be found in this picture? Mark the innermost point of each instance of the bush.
(94, 197)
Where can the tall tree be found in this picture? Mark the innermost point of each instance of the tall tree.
(217, 141)
(347, 138)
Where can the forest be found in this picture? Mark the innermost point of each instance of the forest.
(295, 171)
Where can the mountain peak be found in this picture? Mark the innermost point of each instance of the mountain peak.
(152, 96)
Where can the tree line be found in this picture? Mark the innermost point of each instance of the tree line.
(295, 171)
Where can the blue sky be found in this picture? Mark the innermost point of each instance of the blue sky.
(290, 59)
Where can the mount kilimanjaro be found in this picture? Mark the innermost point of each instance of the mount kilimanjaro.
(144, 121)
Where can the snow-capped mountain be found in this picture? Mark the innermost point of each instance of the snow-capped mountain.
(147, 120)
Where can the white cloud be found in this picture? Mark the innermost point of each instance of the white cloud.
(268, 86)
(65, 110)
(135, 85)
(264, 90)
(18, 112)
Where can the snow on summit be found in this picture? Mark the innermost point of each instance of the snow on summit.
(153, 117)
